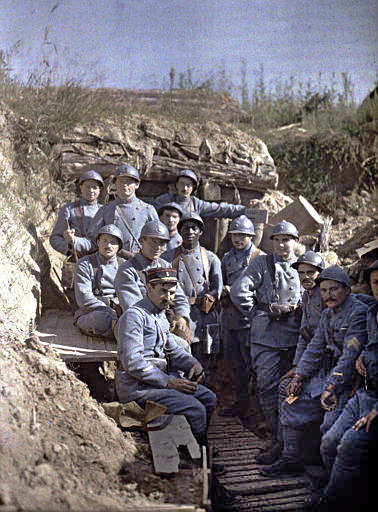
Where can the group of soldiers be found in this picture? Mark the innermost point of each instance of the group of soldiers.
(289, 324)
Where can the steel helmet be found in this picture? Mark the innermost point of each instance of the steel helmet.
(187, 173)
(369, 270)
(127, 170)
(191, 216)
(334, 273)
(311, 258)
(170, 206)
(242, 225)
(111, 229)
(285, 228)
(155, 229)
(91, 175)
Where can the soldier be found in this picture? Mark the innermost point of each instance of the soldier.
(200, 275)
(186, 183)
(351, 443)
(268, 293)
(127, 212)
(149, 358)
(325, 374)
(94, 285)
(78, 216)
(235, 325)
(130, 282)
(170, 215)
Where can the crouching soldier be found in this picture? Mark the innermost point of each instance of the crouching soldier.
(200, 275)
(235, 325)
(72, 226)
(325, 374)
(149, 358)
(94, 285)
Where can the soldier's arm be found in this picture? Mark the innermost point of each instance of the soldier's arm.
(215, 276)
(312, 358)
(127, 285)
(56, 239)
(84, 295)
(131, 349)
(180, 359)
(213, 210)
(243, 290)
(181, 305)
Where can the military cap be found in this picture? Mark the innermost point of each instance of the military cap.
(111, 229)
(187, 173)
(161, 275)
(311, 258)
(91, 175)
(156, 229)
(170, 206)
(334, 273)
(242, 224)
(193, 217)
(369, 270)
(127, 170)
(285, 228)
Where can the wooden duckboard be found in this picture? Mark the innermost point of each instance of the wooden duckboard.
(56, 329)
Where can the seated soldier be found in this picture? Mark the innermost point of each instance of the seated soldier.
(325, 374)
(186, 183)
(150, 358)
(350, 445)
(72, 226)
(94, 285)
(170, 215)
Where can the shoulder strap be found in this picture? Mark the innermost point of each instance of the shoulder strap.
(191, 205)
(95, 265)
(272, 271)
(206, 264)
(124, 220)
(176, 257)
(254, 254)
(79, 214)
(93, 259)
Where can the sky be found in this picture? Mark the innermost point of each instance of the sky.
(135, 43)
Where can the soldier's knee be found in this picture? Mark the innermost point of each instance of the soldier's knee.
(328, 445)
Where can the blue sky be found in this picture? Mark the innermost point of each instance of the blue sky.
(134, 43)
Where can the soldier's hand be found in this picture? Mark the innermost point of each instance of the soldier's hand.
(328, 400)
(360, 367)
(196, 372)
(183, 385)
(295, 386)
(288, 374)
(226, 290)
(366, 420)
(69, 236)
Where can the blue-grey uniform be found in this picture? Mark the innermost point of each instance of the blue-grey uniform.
(235, 325)
(328, 359)
(273, 340)
(347, 452)
(144, 341)
(199, 272)
(130, 284)
(133, 214)
(94, 292)
(174, 241)
(206, 209)
(79, 215)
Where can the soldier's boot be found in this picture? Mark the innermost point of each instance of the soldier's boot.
(272, 455)
(283, 466)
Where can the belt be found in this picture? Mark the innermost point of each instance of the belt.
(156, 361)
(267, 307)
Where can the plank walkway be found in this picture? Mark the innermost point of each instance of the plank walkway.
(57, 330)
(236, 448)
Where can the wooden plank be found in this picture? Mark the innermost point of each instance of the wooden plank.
(260, 487)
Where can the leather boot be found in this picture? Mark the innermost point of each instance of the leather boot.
(270, 456)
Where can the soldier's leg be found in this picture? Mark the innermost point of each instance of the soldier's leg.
(97, 323)
(238, 359)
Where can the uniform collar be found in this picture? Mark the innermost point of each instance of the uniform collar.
(104, 261)
(190, 251)
(118, 200)
(84, 202)
(278, 259)
(150, 306)
(145, 262)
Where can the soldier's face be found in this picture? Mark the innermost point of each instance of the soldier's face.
(190, 232)
(170, 218)
(161, 294)
(107, 245)
(307, 275)
(152, 247)
(240, 240)
(283, 245)
(374, 283)
(184, 186)
(90, 190)
(126, 187)
(333, 293)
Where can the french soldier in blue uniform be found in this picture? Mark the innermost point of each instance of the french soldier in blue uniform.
(170, 215)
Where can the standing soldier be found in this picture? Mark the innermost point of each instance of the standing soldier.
(325, 374)
(94, 285)
(235, 325)
(71, 229)
(170, 215)
(186, 183)
(200, 275)
(130, 281)
(268, 293)
(127, 212)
